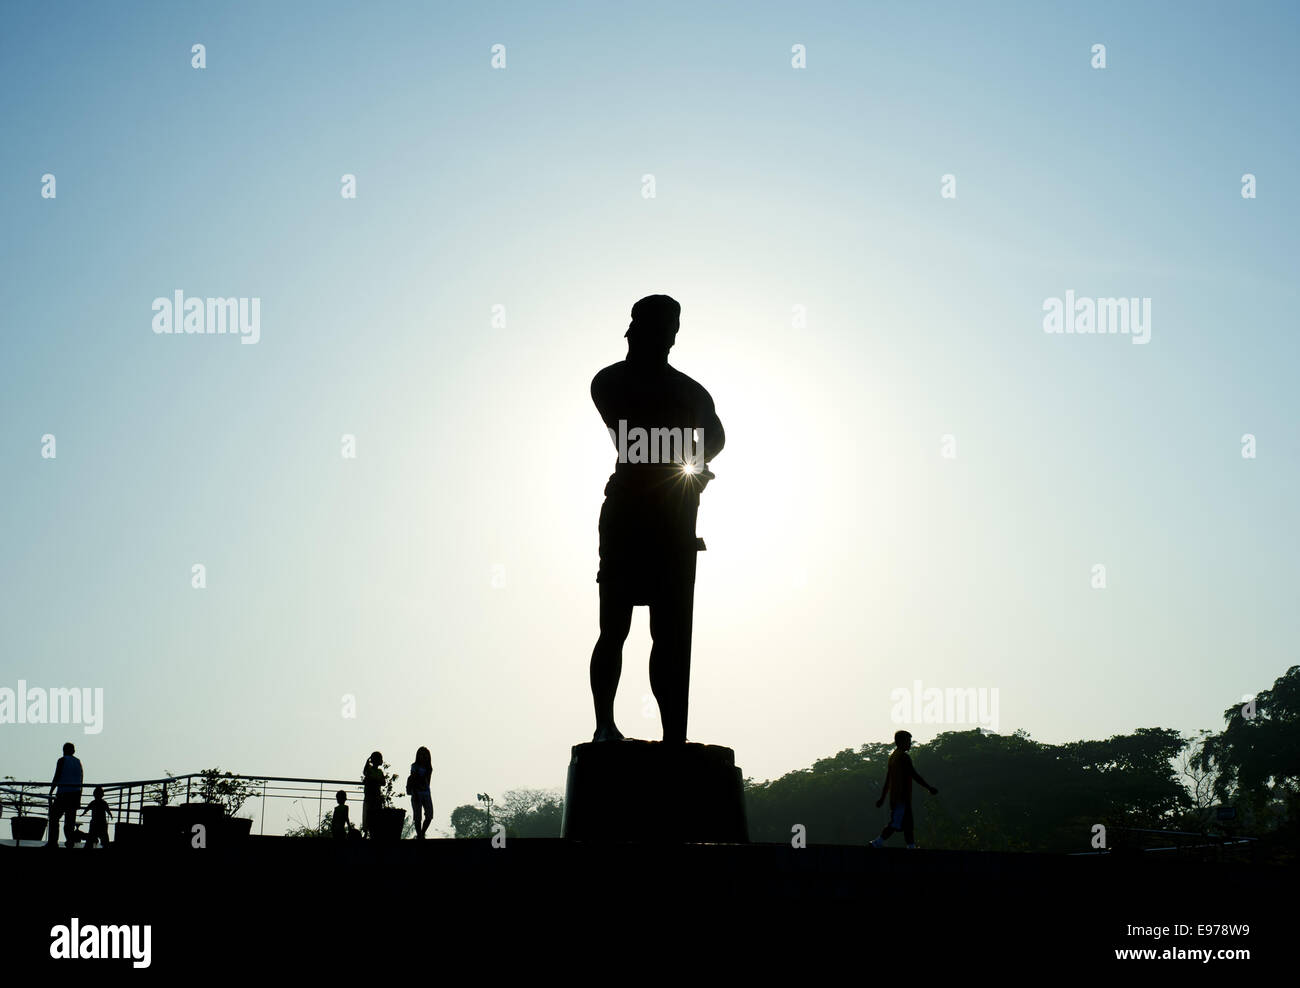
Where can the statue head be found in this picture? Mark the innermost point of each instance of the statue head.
(655, 321)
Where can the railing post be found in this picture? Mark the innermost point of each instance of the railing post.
(262, 829)
(320, 801)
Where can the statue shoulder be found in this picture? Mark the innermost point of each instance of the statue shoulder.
(607, 377)
(685, 384)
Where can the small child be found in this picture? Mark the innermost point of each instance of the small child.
(898, 785)
(339, 824)
(99, 814)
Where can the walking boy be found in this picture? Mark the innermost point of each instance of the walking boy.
(898, 784)
(99, 814)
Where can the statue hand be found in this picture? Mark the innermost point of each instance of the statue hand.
(700, 478)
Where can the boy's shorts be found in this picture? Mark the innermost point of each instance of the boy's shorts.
(896, 815)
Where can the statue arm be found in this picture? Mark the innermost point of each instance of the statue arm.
(714, 435)
(600, 397)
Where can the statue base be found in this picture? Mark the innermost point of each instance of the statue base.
(654, 792)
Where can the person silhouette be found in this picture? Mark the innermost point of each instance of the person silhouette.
(372, 778)
(99, 814)
(418, 790)
(666, 431)
(340, 825)
(898, 785)
(65, 796)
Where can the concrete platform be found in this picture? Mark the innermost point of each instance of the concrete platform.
(309, 906)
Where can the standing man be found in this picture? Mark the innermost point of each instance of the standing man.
(898, 784)
(647, 523)
(65, 797)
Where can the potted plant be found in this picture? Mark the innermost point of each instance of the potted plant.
(163, 816)
(221, 796)
(391, 818)
(24, 827)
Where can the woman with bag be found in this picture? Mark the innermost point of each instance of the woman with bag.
(417, 786)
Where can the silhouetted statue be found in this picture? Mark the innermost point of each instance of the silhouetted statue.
(647, 523)
(898, 785)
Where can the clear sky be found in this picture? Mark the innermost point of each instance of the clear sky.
(847, 556)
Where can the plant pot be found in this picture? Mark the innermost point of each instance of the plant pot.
(165, 825)
(389, 825)
(129, 833)
(210, 816)
(161, 820)
(30, 828)
(237, 828)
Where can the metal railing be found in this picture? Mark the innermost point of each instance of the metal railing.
(128, 800)
(1179, 841)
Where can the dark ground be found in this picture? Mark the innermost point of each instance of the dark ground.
(547, 908)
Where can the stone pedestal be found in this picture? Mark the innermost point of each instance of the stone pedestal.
(650, 791)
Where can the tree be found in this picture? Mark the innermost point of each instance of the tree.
(470, 821)
(1138, 784)
(530, 812)
(1198, 776)
(1256, 758)
(997, 792)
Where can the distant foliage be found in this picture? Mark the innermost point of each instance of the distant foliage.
(523, 813)
(1254, 763)
(530, 812)
(996, 792)
(1012, 793)
(470, 821)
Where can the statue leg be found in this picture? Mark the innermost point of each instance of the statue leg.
(607, 660)
(670, 657)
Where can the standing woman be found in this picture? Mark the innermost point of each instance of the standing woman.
(372, 777)
(421, 798)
